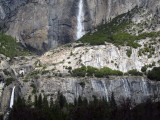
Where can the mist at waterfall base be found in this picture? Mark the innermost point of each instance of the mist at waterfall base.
(80, 17)
(81, 109)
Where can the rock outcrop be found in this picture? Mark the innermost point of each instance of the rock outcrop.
(99, 56)
(9, 76)
(137, 89)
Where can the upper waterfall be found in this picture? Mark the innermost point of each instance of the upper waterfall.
(12, 98)
(80, 18)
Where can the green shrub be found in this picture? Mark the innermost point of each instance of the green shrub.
(154, 63)
(154, 74)
(135, 72)
(44, 67)
(6, 72)
(36, 77)
(91, 70)
(107, 71)
(126, 74)
(129, 52)
(34, 88)
(79, 72)
(99, 73)
(25, 80)
(9, 81)
(44, 72)
(34, 72)
(150, 55)
(144, 68)
(34, 91)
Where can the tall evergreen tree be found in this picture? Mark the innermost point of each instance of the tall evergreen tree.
(112, 101)
(45, 103)
(61, 100)
(80, 101)
(35, 101)
(39, 102)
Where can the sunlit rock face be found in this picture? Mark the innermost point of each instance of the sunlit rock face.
(100, 56)
(43, 25)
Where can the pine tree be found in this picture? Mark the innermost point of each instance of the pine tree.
(39, 102)
(35, 101)
(45, 103)
(80, 101)
(85, 101)
(61, 100)
(75, 102)
(51, 103)
(112, 101)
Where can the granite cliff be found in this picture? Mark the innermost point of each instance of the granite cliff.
(43, 25)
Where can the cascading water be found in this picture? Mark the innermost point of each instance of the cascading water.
(105, 90)
(12, 98)
(126, 87)
(144, 87)
(80, 18)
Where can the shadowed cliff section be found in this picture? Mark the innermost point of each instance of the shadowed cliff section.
(40, 25)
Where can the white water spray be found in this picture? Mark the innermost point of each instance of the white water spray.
(12, 98)
(80, 18)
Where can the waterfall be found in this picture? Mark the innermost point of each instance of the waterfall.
(105, 90)
(80, 17)
(144, 87)
(126, 87)
(12, 98)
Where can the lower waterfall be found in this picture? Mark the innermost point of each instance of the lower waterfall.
(12, 98)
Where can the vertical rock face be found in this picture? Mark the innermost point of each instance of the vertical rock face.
(40, 24)
(7, 96)
(101, 11)
(137, 89)
(47, 24)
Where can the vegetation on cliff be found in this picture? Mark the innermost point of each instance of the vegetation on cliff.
(9, 47)
(116, 32)
(154, 74)
(91, 71)
(103, 72)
